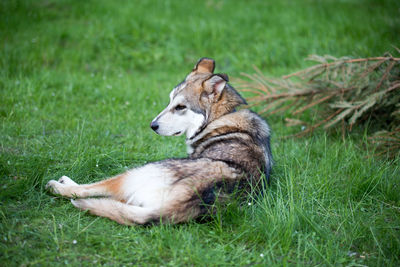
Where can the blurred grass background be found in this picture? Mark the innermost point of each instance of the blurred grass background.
(80, 82)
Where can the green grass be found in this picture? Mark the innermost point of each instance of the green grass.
(80, 82)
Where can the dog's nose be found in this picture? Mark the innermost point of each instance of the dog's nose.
(154, 125)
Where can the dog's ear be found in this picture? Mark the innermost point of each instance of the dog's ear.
(214, 86)
(224, 76)
(205, 65)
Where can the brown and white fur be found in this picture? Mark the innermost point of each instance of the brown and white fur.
(227, 148)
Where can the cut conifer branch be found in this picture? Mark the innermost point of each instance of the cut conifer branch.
(341, 92)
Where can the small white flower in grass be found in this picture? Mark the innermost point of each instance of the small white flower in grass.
(74, 241)
(351, 254)
(262, 255)
(97, 165)
(249, 204)
(303, 128)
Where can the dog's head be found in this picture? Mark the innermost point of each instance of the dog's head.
(201, 98)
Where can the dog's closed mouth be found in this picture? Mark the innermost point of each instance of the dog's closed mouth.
(178, 133)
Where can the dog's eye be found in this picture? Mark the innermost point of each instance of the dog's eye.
(180, 107)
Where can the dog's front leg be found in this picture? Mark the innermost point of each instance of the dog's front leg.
(117, 211)
(66, 187)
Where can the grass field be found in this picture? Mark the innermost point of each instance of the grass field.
(80, 82)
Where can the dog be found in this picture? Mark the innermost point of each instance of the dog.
(227, 148)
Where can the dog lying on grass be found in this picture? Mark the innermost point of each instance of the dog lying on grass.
(227, 148)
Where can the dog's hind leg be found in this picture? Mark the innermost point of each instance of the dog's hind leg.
(68, 188)
(116, 211)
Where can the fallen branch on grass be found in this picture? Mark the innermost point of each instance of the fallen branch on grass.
(338, 91)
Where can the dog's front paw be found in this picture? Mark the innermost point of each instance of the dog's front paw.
(54, 187)
(66, 180)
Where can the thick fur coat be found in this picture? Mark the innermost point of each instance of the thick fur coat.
(226, 149)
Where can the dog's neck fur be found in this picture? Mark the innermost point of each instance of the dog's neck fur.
(227, 103)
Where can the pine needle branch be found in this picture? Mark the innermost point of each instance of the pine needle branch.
(342, 92)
